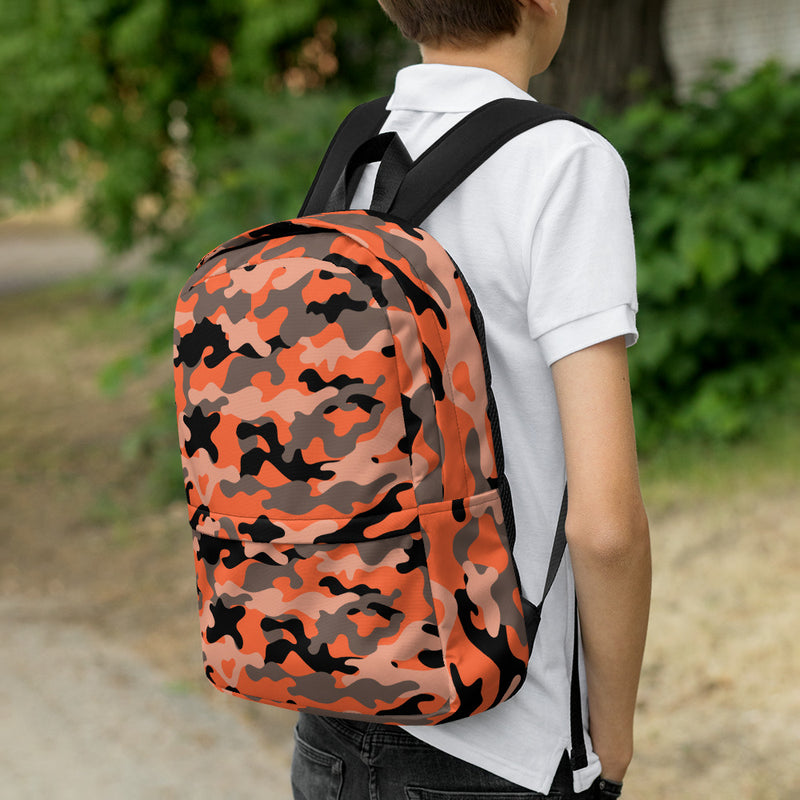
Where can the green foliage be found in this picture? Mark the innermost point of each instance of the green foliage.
(715, 198)
(132, 102)
(181, 123)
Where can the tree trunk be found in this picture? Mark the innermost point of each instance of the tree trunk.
(613, 50)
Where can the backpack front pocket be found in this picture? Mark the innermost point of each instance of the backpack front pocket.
(344, 628)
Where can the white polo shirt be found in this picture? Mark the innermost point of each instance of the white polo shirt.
(542, 234)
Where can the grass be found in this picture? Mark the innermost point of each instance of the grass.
(683, 472)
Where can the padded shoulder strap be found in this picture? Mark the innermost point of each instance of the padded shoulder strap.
(361, 123)
(442, 167)
(455, 156)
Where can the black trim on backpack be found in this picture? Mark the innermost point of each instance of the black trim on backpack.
(494, 419)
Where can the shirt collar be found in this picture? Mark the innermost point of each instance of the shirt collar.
(447, 88)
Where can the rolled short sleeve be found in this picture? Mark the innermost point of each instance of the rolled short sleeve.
(584, 332)
(583, 264)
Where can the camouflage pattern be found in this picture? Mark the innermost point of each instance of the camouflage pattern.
(351, 552)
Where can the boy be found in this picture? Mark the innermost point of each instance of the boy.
(542, 234)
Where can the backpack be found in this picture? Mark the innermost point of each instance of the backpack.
(353, 526)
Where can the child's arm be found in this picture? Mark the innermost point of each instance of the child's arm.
(608, 539)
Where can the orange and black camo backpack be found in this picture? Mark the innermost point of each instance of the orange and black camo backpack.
(353, 528)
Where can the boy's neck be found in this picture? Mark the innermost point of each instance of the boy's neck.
(516, 56)
(504, 56)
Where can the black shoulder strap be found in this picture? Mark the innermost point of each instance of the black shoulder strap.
(455, 156)
(559, 546)
(362, 123)
(442, 167)
(578, 755)
(533, 613)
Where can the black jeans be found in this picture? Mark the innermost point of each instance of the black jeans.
(339, 760)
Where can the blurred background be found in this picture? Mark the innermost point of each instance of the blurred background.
(135, 135)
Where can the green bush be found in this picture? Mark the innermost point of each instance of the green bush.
(716, 204)
(132, 102)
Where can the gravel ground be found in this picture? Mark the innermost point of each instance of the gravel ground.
(43, 246)
(84, 718)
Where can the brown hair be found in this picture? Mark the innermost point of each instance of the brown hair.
(458, 22)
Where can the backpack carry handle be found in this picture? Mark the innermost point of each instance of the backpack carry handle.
(395, 162)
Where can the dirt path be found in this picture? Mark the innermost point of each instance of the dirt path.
(40, 248)
(86, 718)
(27, 263)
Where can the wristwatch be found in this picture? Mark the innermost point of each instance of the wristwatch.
(606, 789)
